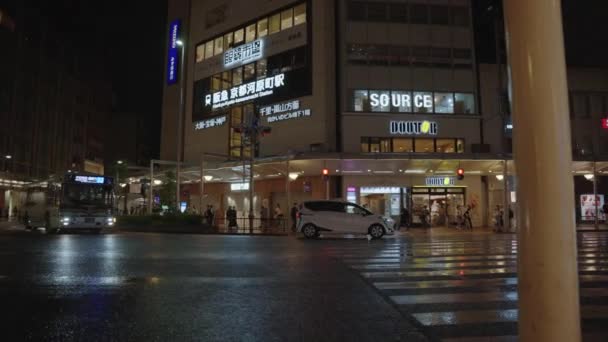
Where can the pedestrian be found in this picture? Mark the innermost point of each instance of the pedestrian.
(232, 219)
(459, 218)
(468, 224)
(211, 216)
(405, 218)
(278, 215)
(424, 217)
(294, 216)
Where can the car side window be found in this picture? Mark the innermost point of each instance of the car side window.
(336, 207)
(353, 209)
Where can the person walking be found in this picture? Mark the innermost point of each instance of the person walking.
(278, 215)
(405, 218)
(294, 216)
(498, 220)
(424, 217)
(468, 224)
(263, 217)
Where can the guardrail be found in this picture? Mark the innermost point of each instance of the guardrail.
(241, 225)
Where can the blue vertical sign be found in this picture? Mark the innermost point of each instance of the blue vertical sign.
(173, 54)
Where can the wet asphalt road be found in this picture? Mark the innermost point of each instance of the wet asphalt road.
(165, 287)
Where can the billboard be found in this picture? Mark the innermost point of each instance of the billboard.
(172, 52)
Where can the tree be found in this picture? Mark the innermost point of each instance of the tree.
(167, 191)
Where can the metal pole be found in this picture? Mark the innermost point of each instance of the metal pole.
(253, 137)
(151, 192)
(597, 223)
(287, 188)
(200, 200)
(547, 258)
(179, 127)
(506, 219)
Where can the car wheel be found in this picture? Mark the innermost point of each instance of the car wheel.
(310, 231)
(376, 231)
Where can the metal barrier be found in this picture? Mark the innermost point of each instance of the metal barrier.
(260, 226)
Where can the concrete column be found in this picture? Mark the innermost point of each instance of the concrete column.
(547, 258)
(151, 190)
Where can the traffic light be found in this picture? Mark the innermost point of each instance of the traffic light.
(460, 173)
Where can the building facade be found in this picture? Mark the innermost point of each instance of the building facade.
(386, 95)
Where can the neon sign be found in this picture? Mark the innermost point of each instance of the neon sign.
(413, 127)
(440, 181)
(244, 54)
(245, 92)
(172, 58)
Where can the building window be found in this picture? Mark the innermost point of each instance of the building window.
(580, 105)
(249, 72)
(357, 11)
(464, 103)
(263, 27)
(444, 103)
(440, 15)
(423, 145)
(361, 101)
(459, 16)
(403, 145)
(374, 145)
(200, 53)
(236, 139)
(250, 33)
(261, 68)
(228, 41)
(216, 82)
(460, 145)
(226, 80)
(287, 19)
(446, 146)
(401, 101)
(365, 145)
(357, 53)
(219, 45)
(275, 23)
(376, 11)
(239, 36)
(385, 145)
(209, 49)
(423, 102)
(237, 76)
(299, 14)
(419, 14)
(398, 13)
(380, 100)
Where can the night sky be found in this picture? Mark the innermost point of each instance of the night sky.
(130, 36)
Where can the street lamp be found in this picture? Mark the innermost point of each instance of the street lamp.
(119, 162)
(8, 156)
(180, 115)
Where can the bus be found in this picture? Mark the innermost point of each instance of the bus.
(78, 202)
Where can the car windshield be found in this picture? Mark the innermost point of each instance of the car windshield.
(87, 194)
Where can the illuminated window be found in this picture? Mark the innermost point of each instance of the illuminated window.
(261, 68)
(380, 100)
(365, 145)
(219, 45)
(275, 24)
(360, 101)
(299, 14)
(216, 82)
(249, 72)
(464, 103)
(460, 145)
(444, 103)
(424, 145)
(422, 102)
(385, 145)
(374, 145)
(286, 19)
(237, 76)
(238, 36)
(236, 119)
(263, 27)
(200, 53)
(446, 146)
(401, 101)
(402, 145)
(226, 80)
(209, 49)
(227, 41)
(250, 33)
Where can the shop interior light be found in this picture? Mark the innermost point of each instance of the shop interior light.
(415, 171)
(500, 177)
(383, 172)
(208, 178)
(589, 176)
(158, 182)
(294, 175)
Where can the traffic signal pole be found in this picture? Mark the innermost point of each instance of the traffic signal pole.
(547, 257)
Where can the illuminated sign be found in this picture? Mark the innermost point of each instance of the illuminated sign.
(440, 181)
(605, 123)
(244, 92)
(239, 186)
(213, 122)
(284, 111)
(413, 127)
(172, 51)
(379, 190)
(89, 179)
(244, 54)
(402, 100)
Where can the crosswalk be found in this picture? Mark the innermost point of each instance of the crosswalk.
(463, 288)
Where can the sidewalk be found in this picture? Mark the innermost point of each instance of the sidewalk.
(443, 231)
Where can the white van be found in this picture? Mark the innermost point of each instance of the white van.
(341, 217)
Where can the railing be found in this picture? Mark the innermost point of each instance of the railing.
(241, 225)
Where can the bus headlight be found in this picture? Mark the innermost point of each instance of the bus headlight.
(65, 220)
(111, 220)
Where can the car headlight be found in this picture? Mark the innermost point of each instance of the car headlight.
(65, 219)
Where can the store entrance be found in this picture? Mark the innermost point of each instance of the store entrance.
(436, 207)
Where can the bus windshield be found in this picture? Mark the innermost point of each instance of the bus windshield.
(87, 194)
